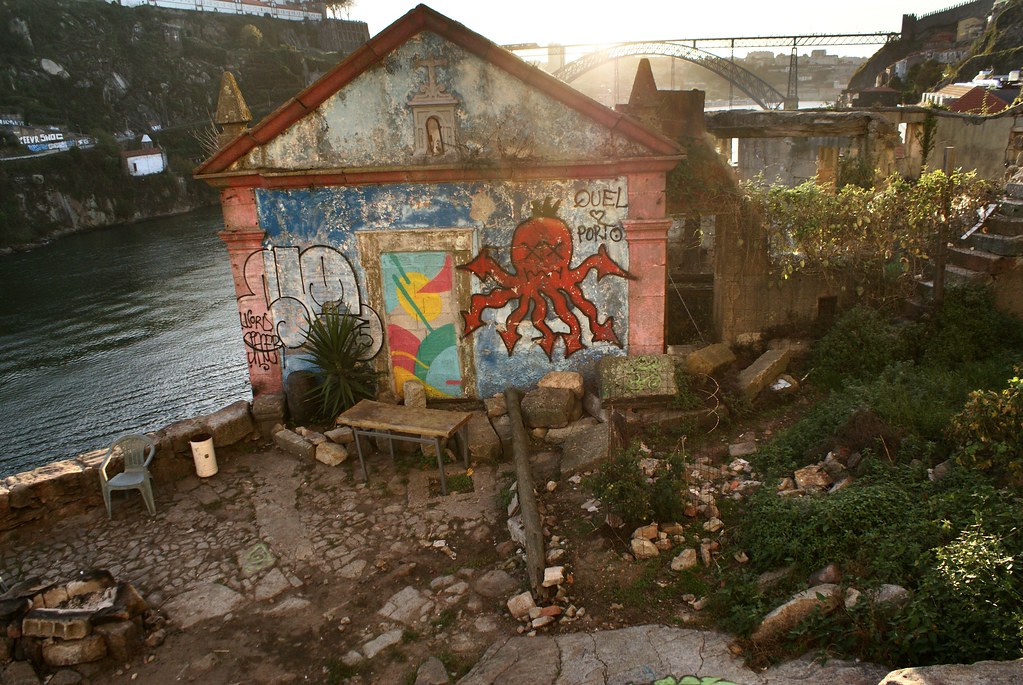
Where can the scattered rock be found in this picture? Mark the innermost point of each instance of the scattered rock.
(406, 606)
(685, 561)
(19, 673)
(830, 574)
(432, 672)
(713, 525)
(520, 605)
(824, 598)
(646, 532)
(342, 436)
(888, 596)
(382, 642)
(553, 575)
(643, 549)
(293, 443)
(495, 583)
(742, 449)
(812, 478)
(331, 453)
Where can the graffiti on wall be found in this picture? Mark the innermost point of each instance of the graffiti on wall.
(420, 309)
(287, 288)
(542, 279)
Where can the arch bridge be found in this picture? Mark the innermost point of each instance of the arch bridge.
(760, 91)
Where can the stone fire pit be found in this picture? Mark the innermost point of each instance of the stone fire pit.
(64, 624)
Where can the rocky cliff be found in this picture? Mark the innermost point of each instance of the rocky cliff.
(95, 68)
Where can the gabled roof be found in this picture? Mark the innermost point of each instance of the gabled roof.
(423, 18)
(979, 100)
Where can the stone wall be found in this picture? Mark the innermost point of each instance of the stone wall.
(69, 487)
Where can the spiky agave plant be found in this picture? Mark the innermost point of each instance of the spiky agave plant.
(336, 344)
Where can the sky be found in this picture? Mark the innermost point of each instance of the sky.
(594, 21)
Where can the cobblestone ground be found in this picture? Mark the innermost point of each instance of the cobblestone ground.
(276, 570)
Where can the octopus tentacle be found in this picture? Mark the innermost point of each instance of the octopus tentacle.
(603, 332)
(539, 320)
(573, 339)
(511, 334)
(496, 298)
(483, 266)
(602, 262)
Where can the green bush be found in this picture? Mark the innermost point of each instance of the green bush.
(989, 430)
(968, 328)
(336, 344)
(860, 344)
(621, 486)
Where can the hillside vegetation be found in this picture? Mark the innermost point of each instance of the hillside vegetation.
(102, 70)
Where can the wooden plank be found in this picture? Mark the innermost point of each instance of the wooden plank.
(371, 415)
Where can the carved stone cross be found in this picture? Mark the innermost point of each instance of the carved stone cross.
(431, 88)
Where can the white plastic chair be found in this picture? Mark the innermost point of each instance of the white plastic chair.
(138, 451)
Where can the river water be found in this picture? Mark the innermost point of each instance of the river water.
(118, 330)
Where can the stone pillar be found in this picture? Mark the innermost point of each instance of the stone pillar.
(646, 229)
(244, 240)
(648, 254)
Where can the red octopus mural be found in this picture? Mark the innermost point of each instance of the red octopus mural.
(541, 254)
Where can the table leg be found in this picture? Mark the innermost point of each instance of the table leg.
(440, 465)
(362, 461)
(463, 437)
(390, 444)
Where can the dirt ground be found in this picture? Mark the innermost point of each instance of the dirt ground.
(344, 549)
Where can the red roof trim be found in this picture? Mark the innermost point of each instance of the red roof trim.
(418, 19)
(446, 174)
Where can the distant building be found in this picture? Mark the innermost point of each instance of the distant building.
(980, 100)
(145, 161)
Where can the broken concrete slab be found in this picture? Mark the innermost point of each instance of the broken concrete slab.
(584, 449)
(762, 372)
(293, 443)
(201, 603)
(484, 443)
(710, 360)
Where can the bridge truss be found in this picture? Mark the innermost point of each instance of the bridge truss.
(758, 90)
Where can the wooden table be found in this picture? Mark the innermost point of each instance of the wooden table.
(411, 424)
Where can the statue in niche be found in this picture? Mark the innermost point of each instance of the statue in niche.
(434, 139)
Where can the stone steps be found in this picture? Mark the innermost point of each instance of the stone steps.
(979, 260)
(1003, 245)
(1000, 224)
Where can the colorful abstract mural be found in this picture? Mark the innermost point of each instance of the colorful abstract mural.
(420, 307)
(541, 254)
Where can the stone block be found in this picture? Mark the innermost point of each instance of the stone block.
(58, 653)
(298, 390)
(331, 453)
(231, 424)
(569, 380)
(484, 443)
(502, 426)
(496, 405)
(293, 443)
(584, 449)
(710, 360)
(638, 377)
(414, 393)
(520, 605)
(18, 673)
(269, 406)
(762, 372)
(550, 408)
(560, 435)
(592, 405)
(823, 598)
(342, 436)
(178, 434)
(123, 639)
